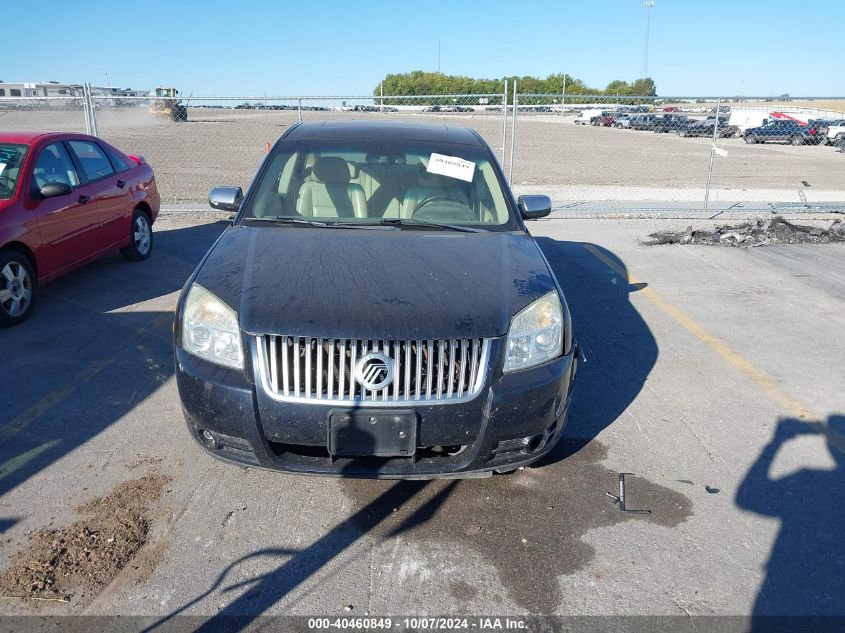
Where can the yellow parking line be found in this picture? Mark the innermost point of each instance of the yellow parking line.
(25, 418)
(793, 407)
(10, 466)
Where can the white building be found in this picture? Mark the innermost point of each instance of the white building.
(56, 89)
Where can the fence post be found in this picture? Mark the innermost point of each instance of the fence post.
(85, 110)
(299, 109)
(504, 122)
(92, 115)
(563, 95)
(515, 106)
(712, 153)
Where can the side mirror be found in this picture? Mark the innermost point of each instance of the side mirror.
(55, 189)
(534, 207)
(225, 198)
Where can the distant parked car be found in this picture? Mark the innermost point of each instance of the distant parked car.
(623, 121)
(643, 122)
(587, 116)
(671, 109)
(605, 119)
(664, 123)
(705, 128)
(66, 199)
(780, 131)
(821, 127)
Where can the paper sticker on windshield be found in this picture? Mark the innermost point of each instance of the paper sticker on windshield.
(2, 167)
(451, 166)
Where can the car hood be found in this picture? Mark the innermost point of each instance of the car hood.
(372, 283)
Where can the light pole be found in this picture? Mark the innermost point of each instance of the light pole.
(649, 4)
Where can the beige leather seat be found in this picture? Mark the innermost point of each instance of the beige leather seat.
(330, 194)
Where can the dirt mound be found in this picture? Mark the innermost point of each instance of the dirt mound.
(88, 554)
(759, 233)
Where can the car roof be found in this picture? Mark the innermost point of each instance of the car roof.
(28, 137)
(384, 130)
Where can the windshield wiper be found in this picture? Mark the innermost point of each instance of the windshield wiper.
(287, 219)
(424, 224)
(283, 219)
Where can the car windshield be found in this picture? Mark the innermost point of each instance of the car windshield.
(371, 182)
(11, 162)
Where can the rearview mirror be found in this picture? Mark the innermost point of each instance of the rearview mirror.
(54, 189)
(225, 198)
(534, 207)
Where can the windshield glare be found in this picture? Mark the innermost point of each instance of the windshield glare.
(11, 162)
(358, 181)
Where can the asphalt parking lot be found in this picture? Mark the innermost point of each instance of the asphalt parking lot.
(710, 373)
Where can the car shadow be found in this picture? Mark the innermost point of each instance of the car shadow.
(805, 571)
(618, 346)
(98, 343)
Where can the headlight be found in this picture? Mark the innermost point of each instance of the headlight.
(210, 329)
(536, 334)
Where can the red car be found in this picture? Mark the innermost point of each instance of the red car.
(66, 199)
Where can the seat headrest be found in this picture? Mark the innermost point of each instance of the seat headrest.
(331, 170)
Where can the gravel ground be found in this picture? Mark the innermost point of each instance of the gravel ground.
(225, 147)
(709, 373)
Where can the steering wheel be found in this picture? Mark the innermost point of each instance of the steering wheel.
(430, 199)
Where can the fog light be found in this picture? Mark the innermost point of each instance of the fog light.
(535, 442)
(208, 439)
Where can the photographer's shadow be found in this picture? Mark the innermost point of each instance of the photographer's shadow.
(805, 573)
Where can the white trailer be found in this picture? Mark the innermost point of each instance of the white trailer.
(586, 116)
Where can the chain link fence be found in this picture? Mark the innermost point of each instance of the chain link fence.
(593, 154)
(677, 157)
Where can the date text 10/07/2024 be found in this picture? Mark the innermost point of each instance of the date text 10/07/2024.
(480, 624)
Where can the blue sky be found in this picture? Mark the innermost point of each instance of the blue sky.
(328, 47)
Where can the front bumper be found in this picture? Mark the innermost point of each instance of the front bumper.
(514, 420)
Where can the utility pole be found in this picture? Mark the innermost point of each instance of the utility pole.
(438, 55)
(649, 4)
(563, 94)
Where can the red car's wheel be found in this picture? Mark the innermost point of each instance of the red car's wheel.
(17, 288)
(140, 238)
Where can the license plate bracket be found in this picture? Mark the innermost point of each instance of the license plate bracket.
(373, 433)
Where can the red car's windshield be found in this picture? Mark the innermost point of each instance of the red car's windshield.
(11, 163)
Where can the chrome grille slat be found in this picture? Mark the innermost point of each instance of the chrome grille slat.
(353, 357)
(397, 376)
(341, 369)
(452, 349)
(440, 354)
(285, 371)
(304, 368)
(296, 366)
(274, 366)
(307, 365)
(418, 379)
(330, 372)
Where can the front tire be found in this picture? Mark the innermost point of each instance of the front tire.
(797, 140)
(17, 288)
(750, 139)
(140, 238)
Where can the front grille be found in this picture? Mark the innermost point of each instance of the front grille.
(300, 368)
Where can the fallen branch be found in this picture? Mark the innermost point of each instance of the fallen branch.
(34, 598)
